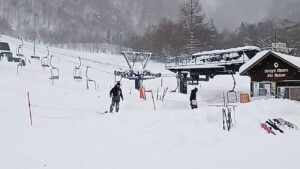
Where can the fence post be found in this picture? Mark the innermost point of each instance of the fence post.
(29, 106)
(153, 100)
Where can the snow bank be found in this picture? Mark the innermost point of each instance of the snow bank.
(70, 131)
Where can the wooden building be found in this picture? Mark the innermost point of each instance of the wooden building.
(273, 74)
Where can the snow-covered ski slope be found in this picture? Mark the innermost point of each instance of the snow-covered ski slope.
(69, 131)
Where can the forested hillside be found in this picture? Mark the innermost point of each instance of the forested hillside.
(164, 27)
(78, 21)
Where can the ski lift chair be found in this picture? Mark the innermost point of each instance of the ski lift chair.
(89, 80)
(232, 92)
(19, 57)
(54, 71)
(19, 54)
(45, 60)
(77, 71)
(34, 56)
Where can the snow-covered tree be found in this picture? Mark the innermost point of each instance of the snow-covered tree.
(191, 18)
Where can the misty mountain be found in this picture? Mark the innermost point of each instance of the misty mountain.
(143, 13)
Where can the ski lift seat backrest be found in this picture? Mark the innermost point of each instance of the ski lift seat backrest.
(19, 54)
(54, 73)
(77, 73)
(45, 62)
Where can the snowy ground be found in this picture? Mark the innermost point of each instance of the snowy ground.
(69, 132)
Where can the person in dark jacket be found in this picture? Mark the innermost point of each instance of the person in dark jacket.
(193, 98)
(116, 95)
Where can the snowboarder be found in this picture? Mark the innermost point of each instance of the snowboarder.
(193, 98)
(116, 94)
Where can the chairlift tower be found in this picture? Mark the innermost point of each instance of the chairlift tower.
(34, 56)
(137, 63)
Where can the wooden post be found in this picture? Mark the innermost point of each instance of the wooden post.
(29, 106)
(157, 93)
(164, 94)
(153, 100)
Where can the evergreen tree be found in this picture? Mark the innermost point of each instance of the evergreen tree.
(192, 21)
(213, 36)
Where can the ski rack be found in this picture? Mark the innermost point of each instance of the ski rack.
(227, 112)
(45, 60)
(77, 71)
(232, 91)
(88, 80)
(54, 71)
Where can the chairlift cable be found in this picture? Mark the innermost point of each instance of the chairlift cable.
(41, 50)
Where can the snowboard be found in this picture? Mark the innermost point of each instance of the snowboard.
(105, 112)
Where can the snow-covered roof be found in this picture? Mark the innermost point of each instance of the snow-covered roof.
(232, 50)
(193, 66)
(293, 60)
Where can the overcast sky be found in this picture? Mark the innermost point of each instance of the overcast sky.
(230, 13)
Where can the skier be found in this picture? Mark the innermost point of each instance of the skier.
(116, 94)
(193, 98)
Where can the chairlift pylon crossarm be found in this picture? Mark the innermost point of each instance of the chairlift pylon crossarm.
(135, 57)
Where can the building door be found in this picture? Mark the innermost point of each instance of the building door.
(268, 89)
(262, 91)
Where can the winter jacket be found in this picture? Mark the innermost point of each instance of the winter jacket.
(116, 93)
(193, 95)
